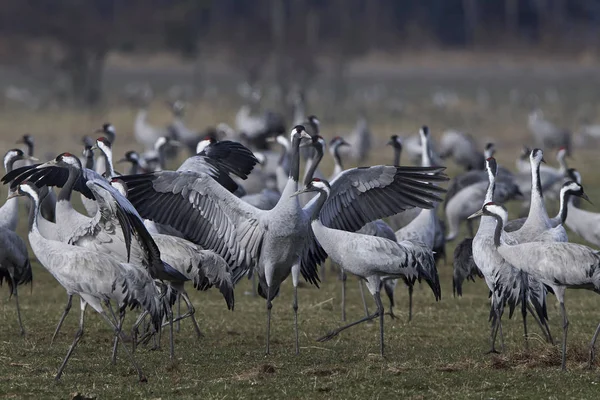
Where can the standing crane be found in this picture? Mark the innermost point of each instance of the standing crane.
(559, 265)
(371, 258)
(277, 242)
(96, 278)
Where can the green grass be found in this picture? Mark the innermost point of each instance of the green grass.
(440, 354)
(437, 355)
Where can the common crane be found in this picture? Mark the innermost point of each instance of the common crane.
(371, 258)
(506, 284)
(277, 242)
(559, 265)
(95, 277)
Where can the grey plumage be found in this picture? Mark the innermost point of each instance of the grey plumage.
(464, 266)
(558, 265)
(568, 189)
(279, 241)
(506, 284)
(95, 277)
(372, 258)
(14, 265)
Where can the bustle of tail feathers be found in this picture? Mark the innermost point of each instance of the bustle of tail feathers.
(22, 276)
(425, 264)
(212, 270)
(140, 290)
(464, 266)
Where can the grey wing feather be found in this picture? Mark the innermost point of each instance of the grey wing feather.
(361, 195)
(205, 212)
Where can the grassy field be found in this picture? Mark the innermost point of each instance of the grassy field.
(440, 354)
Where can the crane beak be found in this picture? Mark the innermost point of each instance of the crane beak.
(543, 161)
(31, 158)
(476, 214)
(344, 143)
(305, 135)
(299, 192)
(122, 160)
(586, 198)
(46, 164)
(94, 147)
(390, 143)
(12, 195)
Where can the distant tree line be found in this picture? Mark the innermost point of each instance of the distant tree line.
(289, 34)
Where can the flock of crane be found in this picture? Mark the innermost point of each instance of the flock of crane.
(236, 208)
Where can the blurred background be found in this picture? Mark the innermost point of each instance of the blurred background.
(66, 66)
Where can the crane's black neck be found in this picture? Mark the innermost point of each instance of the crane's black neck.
(314, 163)
(565, 197)
(67, 189)
(536, 186)
(30, 148)
(162, 158)
(397, 151)
(33, 213)
(337, 157)
(135, 167)
(323, 195)
(295, 159)
(110, 171)
(498, 231)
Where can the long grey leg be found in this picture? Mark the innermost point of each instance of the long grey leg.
(16, 293)
(344, 277)
(563, 365)
(78, 336)
(524, 314)
(362, 295)
(120, 327)
(191, 312)
(62, 318)
(269, 307)
(141, 376)
(377, 298)
(592, 347)
(295, 307)
(171, 339)
(178, 327)
(411, 288)
(254, 291)
(336, 331)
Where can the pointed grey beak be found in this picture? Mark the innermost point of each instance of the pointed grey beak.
(12, 195)
(476, 214)
(305, 135)
(46, 164)
(586, 198)
(122, 160)
(544, 161)
(299, 192)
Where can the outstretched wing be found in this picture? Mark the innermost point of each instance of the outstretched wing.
(233, 157)
(201, 209)
(362, 195)
(51, 176)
